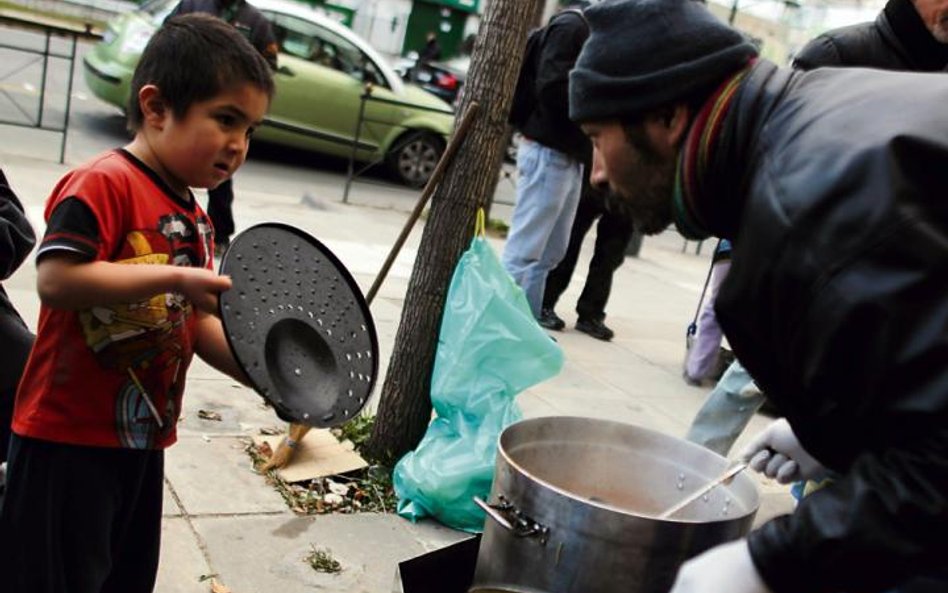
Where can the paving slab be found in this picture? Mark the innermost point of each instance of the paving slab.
(182, 562)
(214, 476)
(255, 554)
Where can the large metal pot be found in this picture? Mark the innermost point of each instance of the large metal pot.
(575, 501)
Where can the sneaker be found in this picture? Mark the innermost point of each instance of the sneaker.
(220, 247)
(595, 328)
(550, 320)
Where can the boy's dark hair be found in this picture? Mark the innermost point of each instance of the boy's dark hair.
(193, 58)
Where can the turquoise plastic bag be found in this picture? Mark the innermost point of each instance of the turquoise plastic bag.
(490, 349)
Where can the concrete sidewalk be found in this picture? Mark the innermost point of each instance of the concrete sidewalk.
(221, 518)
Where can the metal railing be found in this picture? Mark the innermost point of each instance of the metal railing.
(39, 60)
(364, 129)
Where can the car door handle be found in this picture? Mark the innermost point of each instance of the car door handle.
(286, 70)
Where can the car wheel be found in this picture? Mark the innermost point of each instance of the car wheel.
(414, 157)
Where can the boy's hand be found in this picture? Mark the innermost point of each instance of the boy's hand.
(202, 287)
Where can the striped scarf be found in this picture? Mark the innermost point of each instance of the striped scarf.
(695, 157)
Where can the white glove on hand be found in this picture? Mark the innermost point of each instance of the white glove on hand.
(777, 453)
(726, 568)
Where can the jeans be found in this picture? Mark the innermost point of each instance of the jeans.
(726, 411)
(613, 233)
(548, 189)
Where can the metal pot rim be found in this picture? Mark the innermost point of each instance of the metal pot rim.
(752, 508)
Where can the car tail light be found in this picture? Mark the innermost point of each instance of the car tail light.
(447, 81)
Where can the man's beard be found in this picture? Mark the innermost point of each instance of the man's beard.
(646, 185)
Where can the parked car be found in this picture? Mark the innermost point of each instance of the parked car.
(323, 71)
(442, 79)
(446, 81)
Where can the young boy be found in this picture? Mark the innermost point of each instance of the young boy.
(128, 296)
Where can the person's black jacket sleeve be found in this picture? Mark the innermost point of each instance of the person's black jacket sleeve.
(16, 234)
(821, 51)
(836, 304)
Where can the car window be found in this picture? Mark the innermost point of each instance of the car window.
(309, 41)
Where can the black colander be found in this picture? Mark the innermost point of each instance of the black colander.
(298, 325)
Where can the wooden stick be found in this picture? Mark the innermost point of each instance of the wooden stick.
(287, 447)
(446, 159)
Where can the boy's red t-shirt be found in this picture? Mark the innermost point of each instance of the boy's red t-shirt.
(105, 376)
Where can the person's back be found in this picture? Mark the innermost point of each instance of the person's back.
(128, 296)
(243, 16)
(549, 122)
(899, 39)
(550, 161)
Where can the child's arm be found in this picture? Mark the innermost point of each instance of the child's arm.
(213, 348)
(65, 281)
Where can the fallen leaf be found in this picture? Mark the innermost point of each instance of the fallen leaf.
(264, 450)
(270, 431)
(209, 415)
(217, 587)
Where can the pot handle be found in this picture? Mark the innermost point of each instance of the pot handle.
(520, 526)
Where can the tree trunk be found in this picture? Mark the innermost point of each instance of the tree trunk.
(405, 406)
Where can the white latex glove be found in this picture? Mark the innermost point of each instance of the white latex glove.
(725, 569)
(777, 453)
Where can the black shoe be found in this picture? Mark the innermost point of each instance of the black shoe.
(595, 328)
(550, 320)
(220, 247)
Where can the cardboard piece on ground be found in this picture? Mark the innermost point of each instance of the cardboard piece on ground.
(319, 454)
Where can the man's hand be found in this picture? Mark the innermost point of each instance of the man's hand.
(202, 287)
(726, 568)
(777, 453)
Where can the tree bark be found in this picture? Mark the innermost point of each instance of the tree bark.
(405, 405)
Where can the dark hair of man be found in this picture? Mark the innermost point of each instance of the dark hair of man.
(192, 58)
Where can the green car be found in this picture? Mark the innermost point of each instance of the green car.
(324, 69)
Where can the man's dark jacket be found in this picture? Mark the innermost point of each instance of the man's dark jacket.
(549, 124)
(16, 242)
(837, 304)
(897, 40)
(249, 21)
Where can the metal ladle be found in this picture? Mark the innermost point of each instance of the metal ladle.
(724, 477)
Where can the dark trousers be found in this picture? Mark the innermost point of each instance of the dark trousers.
(16, 341)
(613, 234)
(80, 519)
(220, 201)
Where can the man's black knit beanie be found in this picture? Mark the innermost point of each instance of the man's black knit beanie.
(642, 54)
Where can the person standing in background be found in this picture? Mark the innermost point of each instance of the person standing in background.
(613, 233)
(909, 35)
(431, 52)
(549, 162)
(255, 27)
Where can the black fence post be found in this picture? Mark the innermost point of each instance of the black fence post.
(355, 141)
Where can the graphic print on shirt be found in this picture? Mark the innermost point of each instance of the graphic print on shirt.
(142, 340)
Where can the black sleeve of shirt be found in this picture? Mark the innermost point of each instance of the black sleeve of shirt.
(16, 234)
(72, 227)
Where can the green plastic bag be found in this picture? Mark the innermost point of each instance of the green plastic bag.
(490, 348)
